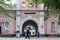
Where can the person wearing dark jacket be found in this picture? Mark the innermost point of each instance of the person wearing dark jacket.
(27, 34)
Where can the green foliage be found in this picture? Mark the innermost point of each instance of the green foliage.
(30, 27)
(50, 14)
(3, 4)
(33, 3)
(52, 5)
(46, 16)
(7, 15)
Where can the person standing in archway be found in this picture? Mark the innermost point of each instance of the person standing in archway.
(27, 33)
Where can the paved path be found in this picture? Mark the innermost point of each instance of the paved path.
(32, 38)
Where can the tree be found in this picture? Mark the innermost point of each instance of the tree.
(3, 4)
(33, 3)
(53, 6)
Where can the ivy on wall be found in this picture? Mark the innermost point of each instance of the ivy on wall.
(6, 14)
(50, 14)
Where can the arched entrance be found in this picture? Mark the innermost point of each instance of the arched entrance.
(0, 27)
(32, 25)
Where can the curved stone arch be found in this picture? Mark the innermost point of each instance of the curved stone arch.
(26, 20)
(31, 19)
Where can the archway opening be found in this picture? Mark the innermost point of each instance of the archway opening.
(0, 27)
(32, 25)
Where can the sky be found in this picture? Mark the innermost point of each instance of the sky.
(12, 1)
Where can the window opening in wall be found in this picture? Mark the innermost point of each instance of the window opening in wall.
(24, 4)
(6, 26)
(53, 27)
